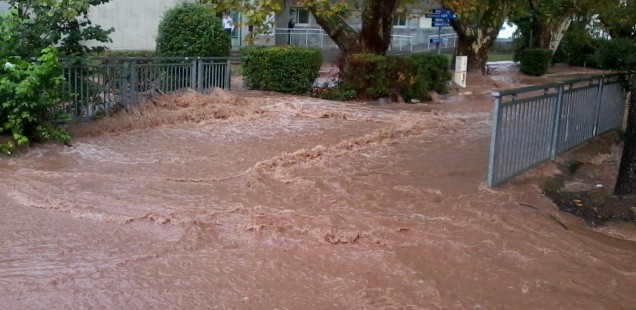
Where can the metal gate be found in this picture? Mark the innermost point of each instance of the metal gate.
(534, 124)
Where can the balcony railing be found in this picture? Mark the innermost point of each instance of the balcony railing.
(402, 39)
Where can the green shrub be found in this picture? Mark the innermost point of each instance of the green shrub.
(433, 68)
(402, 72)
(535, 61)
(337, 93)
(577, 46)
(28, 94)
(191, 30)
(412, 77)
(616, 54)
(366, 74)
(286, 69)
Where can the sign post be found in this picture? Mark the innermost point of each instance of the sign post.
(440, 18)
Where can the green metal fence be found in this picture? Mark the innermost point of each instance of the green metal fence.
(94, 86)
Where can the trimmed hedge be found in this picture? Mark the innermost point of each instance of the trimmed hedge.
(535, 61)
(412, 77)
(366, 74)
(190, 29)
(434, 68)
(285, 69)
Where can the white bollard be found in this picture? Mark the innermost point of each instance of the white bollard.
(461, 64)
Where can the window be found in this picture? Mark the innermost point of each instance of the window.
(236, 21)
(300, 15)
(400, 20)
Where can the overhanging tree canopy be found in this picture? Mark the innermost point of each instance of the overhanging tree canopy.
(477, 27)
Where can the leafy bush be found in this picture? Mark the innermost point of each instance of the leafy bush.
(412, 77)
(286, 69)
(616, 54)
(43, 23)
(366, 74)
(191, 30)
(535, 61)
(337, 93)
(577, 46)
(404, 79)
(434, 68)
(28, 93)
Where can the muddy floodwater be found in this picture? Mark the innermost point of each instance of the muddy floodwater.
(248, 200)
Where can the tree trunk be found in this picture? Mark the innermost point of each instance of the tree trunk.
(477, 32)
(475, 44)
(558, 32)
(373, 38)
(338, 30)
(550, 35)
(377, 24)
(626, 181)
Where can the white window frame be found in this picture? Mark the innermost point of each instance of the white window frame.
(400, 18)
(294, 13)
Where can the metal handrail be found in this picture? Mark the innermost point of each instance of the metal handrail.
(521, 90)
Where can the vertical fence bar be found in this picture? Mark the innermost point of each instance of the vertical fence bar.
(599, 102)
(228, 75)
(133, 81)
(494, 140)
(124, 82)
(200, 85)
(193, 76)
(556, 124)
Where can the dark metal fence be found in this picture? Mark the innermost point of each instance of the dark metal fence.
(534, 124)
(94, 86)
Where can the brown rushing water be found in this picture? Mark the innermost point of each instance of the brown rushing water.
(257, 201)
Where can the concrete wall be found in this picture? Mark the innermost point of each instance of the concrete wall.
(135, 22)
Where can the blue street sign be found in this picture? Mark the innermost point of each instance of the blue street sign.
(441, 11)
(444, 15)
(438, 40)
(440, 24)
(440, 20)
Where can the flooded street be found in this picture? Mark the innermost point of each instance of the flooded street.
(250, 200)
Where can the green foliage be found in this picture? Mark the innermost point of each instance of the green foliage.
(618, 18)
(402, 75)
(366, 74)
(33, 25)
(337, 93)
(258, 13)
(286, 69)
(577, 47)
(28, 93)
(434, 68)
(535, 61)
(192, 30)
(616, 54)
(412, 77)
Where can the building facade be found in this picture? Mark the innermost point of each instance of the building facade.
(136, 23)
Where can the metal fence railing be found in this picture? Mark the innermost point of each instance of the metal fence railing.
(93, 86)
(402, 39)
(534, 124)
